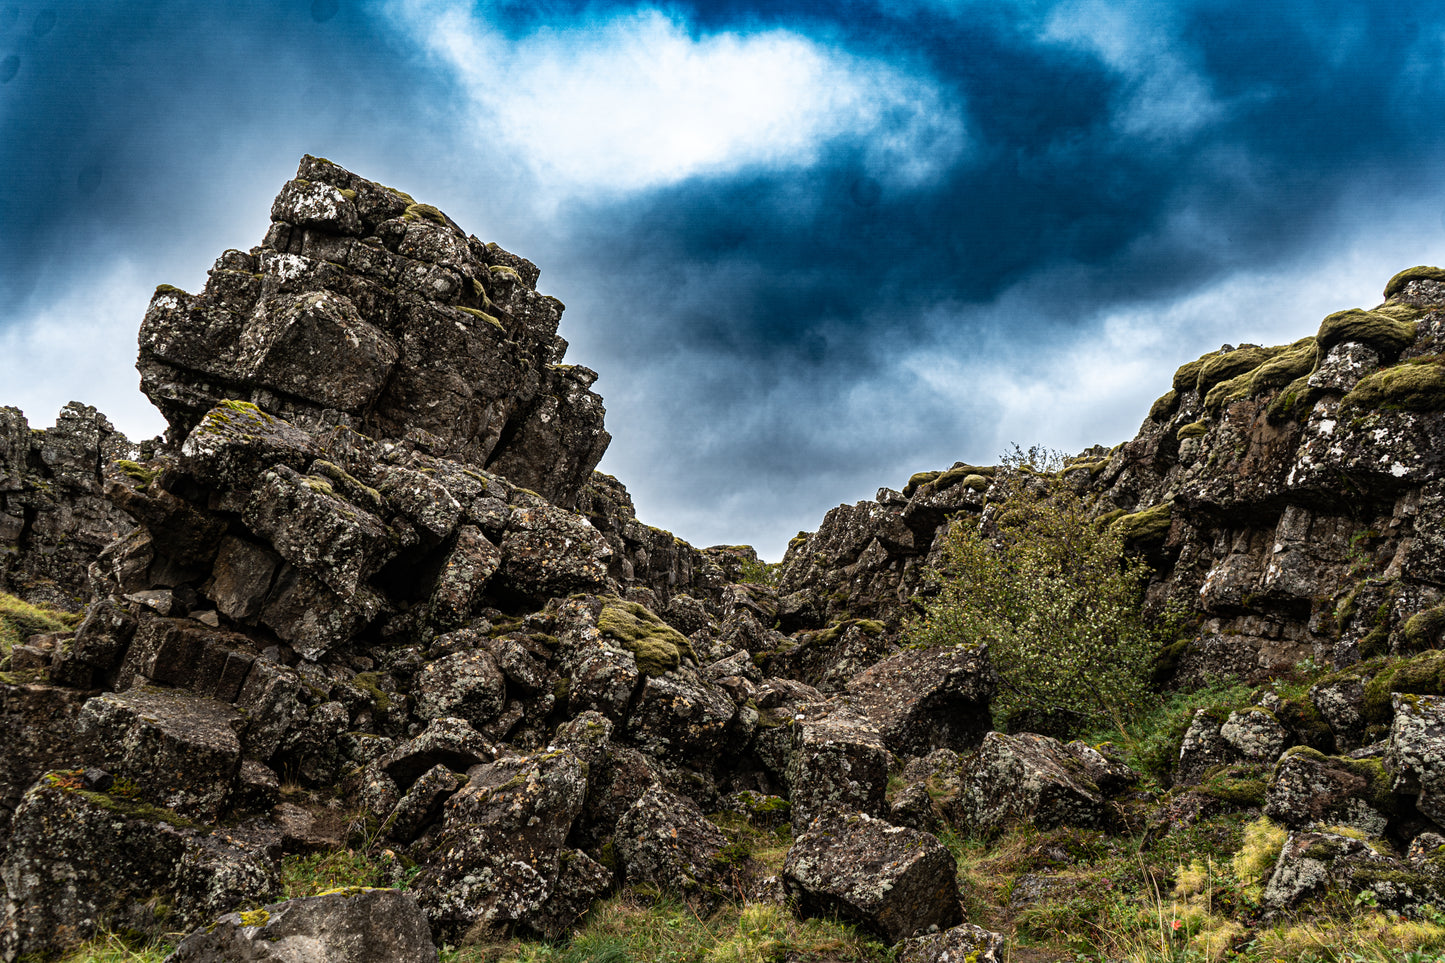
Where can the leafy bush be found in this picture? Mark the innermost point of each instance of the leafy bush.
(1055, 598)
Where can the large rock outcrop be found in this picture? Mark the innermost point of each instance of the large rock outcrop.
(364, 308)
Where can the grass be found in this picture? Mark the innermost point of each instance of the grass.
(20, 619)
(338, 869)
(110, 947)
(635, 927)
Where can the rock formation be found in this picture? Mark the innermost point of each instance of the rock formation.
(369, 590)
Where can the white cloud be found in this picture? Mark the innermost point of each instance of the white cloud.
(81, 346)
(1167, 97)
(639, 101)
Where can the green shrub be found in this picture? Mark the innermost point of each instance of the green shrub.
(1055, 598)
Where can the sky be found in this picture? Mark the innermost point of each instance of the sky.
(810, 247)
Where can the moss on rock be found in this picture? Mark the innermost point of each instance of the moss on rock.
(657, 646)
(1377, 329)
(1418, 385)
(1420, 272)
(415, 212)
(1222, 367)
(1146, 527)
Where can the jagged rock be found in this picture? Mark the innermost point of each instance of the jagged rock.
(1204, 748)
(1309, 787)
(54, 518)
(1034, 779)
(1314, 862)
(681, 718)
(961, 944)
(464, 574)
(549, 552)
(421, 804)
(1255, 734)
(497, 855)
(180, 749)
(1341, 702)
(81, 858)
(664, 839)
(188, 655)
(580, 881)
(923, 700)
(362, 926)
(896, 882)
(308, 525)
(467, 685)
(838, 761)
(424, 329)
(830, 658)
(1416, 756)
(38, 733)
(447, 742)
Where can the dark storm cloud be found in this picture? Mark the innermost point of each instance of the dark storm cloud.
(774, 298)
(126, 124)
(771, 331)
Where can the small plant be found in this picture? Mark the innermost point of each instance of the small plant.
(1055, 599)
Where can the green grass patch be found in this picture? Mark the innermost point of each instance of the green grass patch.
(20, 619)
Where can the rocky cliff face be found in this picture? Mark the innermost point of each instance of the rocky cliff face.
(54, 517)
(1290, 496)
(370, 592)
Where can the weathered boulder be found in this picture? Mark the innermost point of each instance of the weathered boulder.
(838, 761)
(180, 749)
(38, 733)
(921, 700)
(496, 858)
(361, 926)
(1312, 863)
(81, 858)
(664, 839)
(961, 944)
(896, 882)
(1310, 787)
(1416, 755)
(1034, 779)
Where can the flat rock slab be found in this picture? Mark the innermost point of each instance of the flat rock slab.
(896, 882)
(181, 749)
(356, 925)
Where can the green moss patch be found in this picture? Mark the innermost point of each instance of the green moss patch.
(1164, 405)
(1418, 385)
(1192, 430)
(657, 646)
(1186, 377)
(1377, 329)
(482, 316)
(1423, 629)
(425, 212)
(870, 627)
(134, 470)
(1418, 273)
(20, 619)
(1222, 367)
(1150, 526)
(1423, 674)
(1283, 366)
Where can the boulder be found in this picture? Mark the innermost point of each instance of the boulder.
(180, 749)
(664, 839)
(496, 858)
(1310, 787)
(838, 760)
(1033, 779)
(921, 700)
(1416, 755)
(895, 882)
(81, 859)
(961, 944)
(349, 926)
